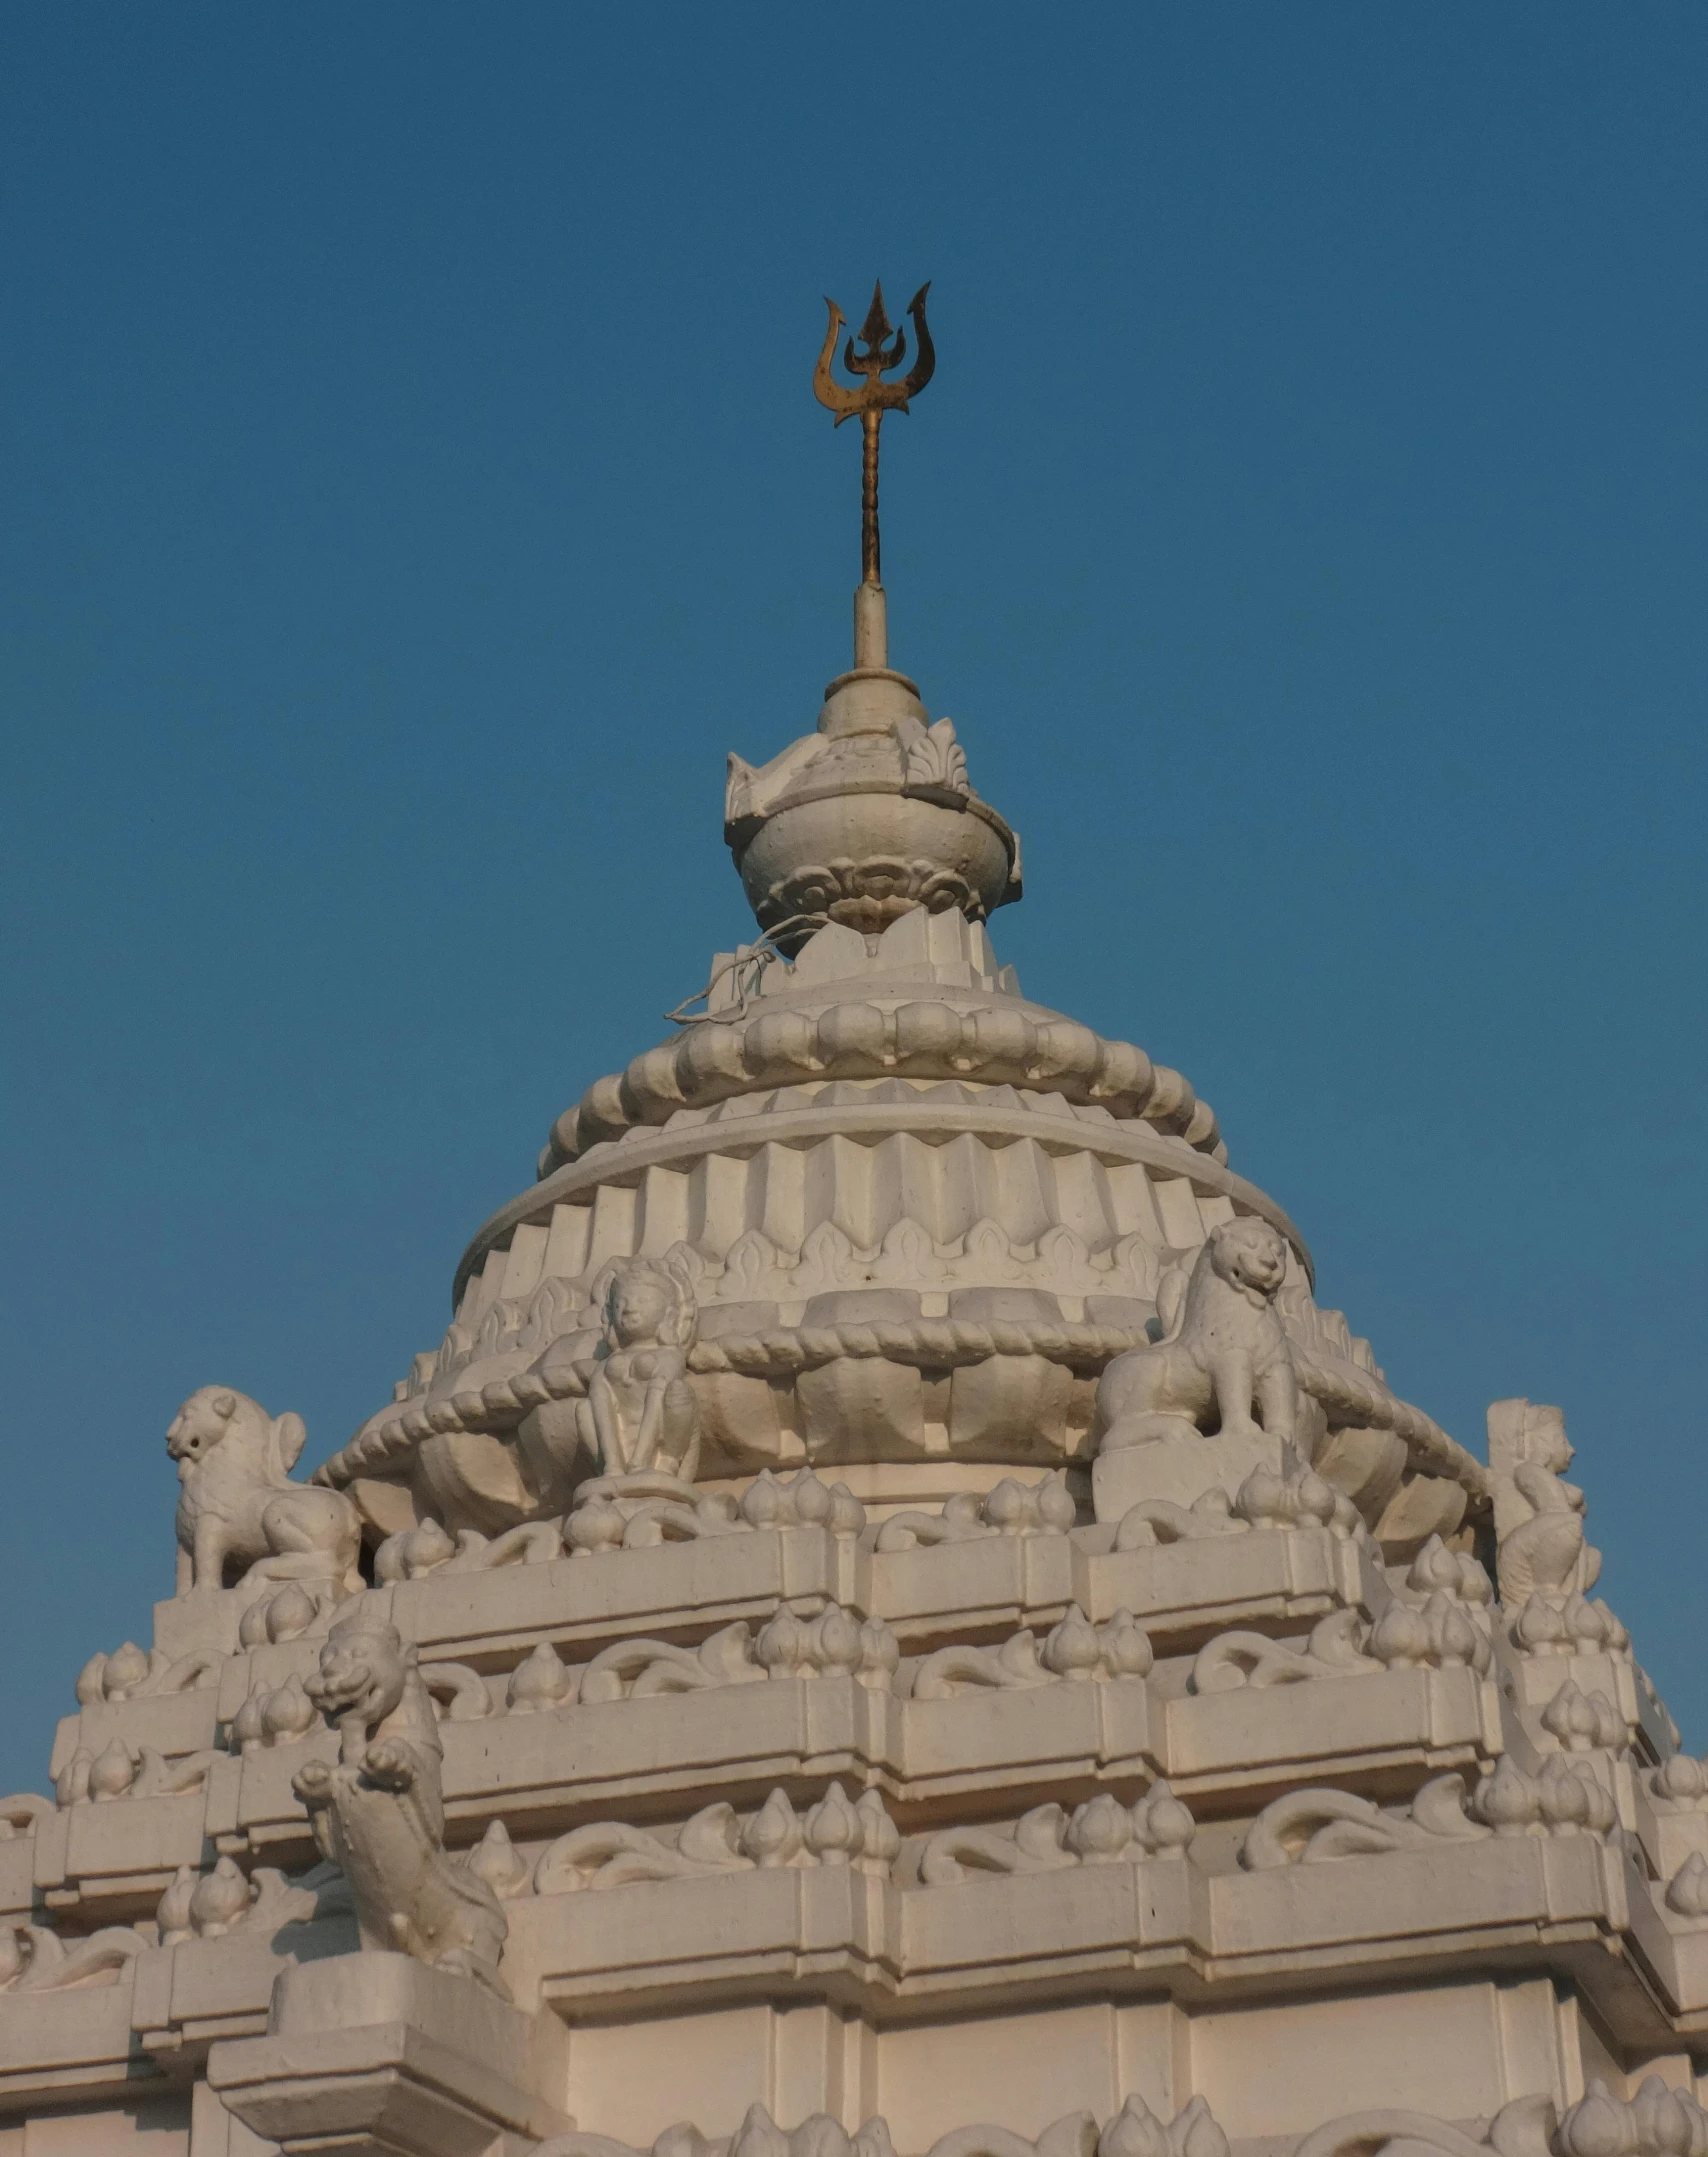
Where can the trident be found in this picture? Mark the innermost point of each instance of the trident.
(872, 399)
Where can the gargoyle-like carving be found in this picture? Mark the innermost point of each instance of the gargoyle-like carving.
(1011, 1508)
(1135, 2131)
(640, 1413)
(1100, 1832)
(379, 1813)
(1073, 1648)
(238, 1505)
(1223, 1363)
(1538, 1515)
(610, 1853)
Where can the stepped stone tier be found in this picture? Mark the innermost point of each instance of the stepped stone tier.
(892, 1622)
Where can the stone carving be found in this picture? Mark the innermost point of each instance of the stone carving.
(639, 1512)
(1657, 2122)
(121, 1770)
(1314, 1827)
(274, 1715)
(1297, 1499)
(1436, 1570)
(237, 1503)
(379, 1815)
(1687, 1891)
(35, 1959)
(130, 1674)
(415, 1552)
(1680, 1783)
(638, 1669)
(1134, 2131)
(1548, 1626)
(834, 1643)
(1011, 1508)
(540, 1682)
(1238, 1659)
(609, 1853)
(1538, 1515)
(1524, 2128)
(1102, 1831)
(640, 1415)
(716, 1061)
(289, 1613)
(1559, 1799)
(1074, 1648)
(1223, 1362)
(1585, 1722)
(208, 1905)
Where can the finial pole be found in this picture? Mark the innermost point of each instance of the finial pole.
(872, 399)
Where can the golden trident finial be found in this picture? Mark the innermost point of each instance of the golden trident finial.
(872, 399)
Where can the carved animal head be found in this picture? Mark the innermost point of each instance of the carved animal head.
(215, 1414)
(1250, 1255)
(645, 1302)
(364, 1668)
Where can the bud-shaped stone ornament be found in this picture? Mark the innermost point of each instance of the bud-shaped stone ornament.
(759, 2136)
(1597, 2126)
(173, 1914)
(1054, 1506)
(593, 1527)
(781, 1647)
(773, 1836)
(1540, 1628)
(1135, 2131)
(812, 1502)
(880, 1838)
(1100, 1830)
(287, 1712)
(1314, 1499)
(832, 1830)
(126, 1670)
(880, 1654)
(762, 1502)
(1563, 1800)
(1071, 1647)
(496, 1860)
(1401, 1638)
(248, 1731)
(539, 1682)
(1127, 1650)
(1456, 1639)
(1681, 1778)
(111, 1772)
(1505, 1801)
(220, 1901)
(836, 1647)
(1162, 1823)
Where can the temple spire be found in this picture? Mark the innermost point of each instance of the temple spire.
(884, 350)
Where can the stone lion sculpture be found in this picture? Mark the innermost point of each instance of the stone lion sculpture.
(1223, 1360)
(379, 1813)
(640, 1415)
(237, 1503)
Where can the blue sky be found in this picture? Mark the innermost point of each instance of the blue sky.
(414, 488)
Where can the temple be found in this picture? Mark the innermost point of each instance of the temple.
(893, 1621)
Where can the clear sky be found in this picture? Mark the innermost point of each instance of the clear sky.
(412, 487)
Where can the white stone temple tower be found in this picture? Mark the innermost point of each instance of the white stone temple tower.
(891, 1622)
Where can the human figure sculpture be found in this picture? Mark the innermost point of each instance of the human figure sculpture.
(1538, 1516)
(379, 1814)
(1223, 1361)
(640, 1415)
(237, 1502)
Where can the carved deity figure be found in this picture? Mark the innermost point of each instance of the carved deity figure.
(640, 1416)
(1223, 1361)
(1538, 1516)
(237, 1503)
(379, 1814)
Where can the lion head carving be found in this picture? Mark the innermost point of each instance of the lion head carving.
(1251, 1256)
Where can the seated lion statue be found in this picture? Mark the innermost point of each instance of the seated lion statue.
(238, 1505)
(1223, 1362)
